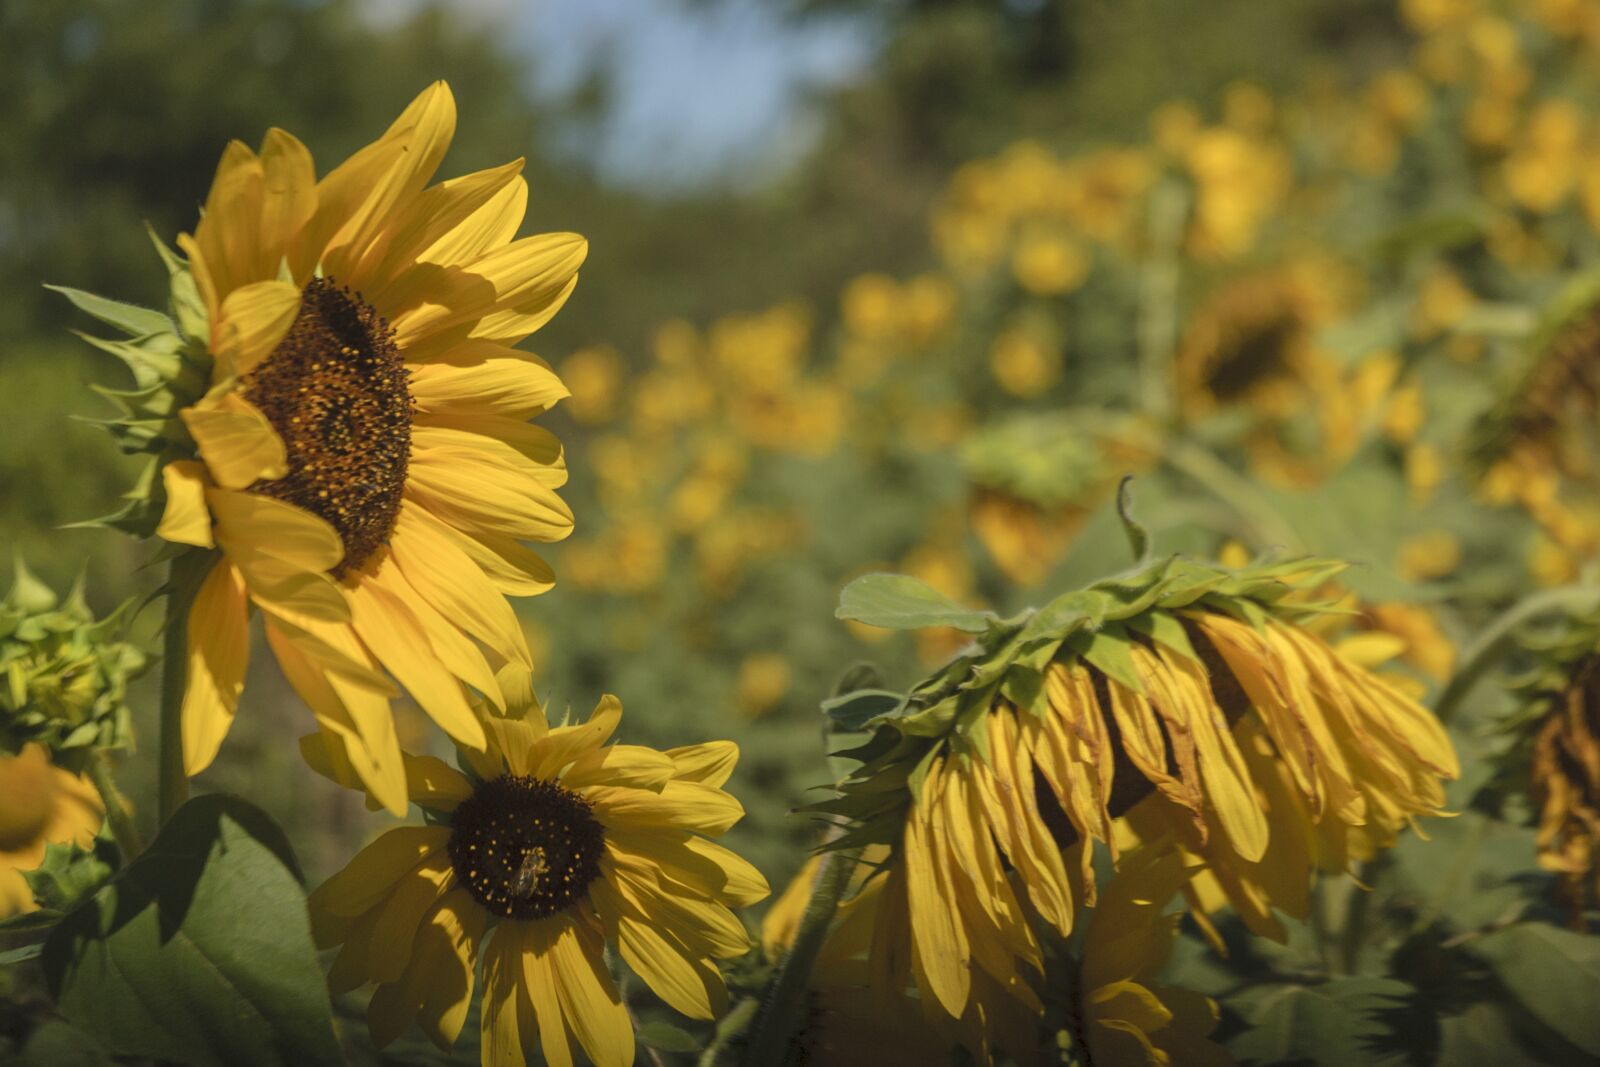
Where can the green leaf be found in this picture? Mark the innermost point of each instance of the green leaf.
(1138, 537)
(853, 711)
(1109, 650)
(54, 1043)
(666, 1038)
(1165, 629)
(132, 319)
(1338, 1023)
(200, 950)
(900, 602)
(1554, 973)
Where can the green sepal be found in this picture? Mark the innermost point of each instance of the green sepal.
(1110, 650)
(68, 874)
(131, 319)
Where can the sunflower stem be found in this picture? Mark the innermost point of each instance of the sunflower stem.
(780, 1015)
(1493, 640)
(117, 813)
(183, 582)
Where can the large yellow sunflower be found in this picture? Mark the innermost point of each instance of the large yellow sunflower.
(1185, 707)
(553, 844)
(40, 804)
(353, 441)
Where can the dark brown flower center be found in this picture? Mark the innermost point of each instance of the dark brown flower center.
(525, 848)
(335, 390)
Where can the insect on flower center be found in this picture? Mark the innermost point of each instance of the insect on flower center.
(525, 848)
(335, 390)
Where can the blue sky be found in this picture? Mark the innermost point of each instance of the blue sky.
(703, 91)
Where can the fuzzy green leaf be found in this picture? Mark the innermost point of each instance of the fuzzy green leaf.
(1554, 973)
(900, 602)
(132, 319)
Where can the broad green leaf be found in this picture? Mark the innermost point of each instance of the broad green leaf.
(1338, 1024)
(132, 319)
(200, 950)
(1554, 973)
(900, 602)
(54, 1043)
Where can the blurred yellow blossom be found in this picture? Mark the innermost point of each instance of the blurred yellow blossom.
(1543, 167)
(1427, 556)
(764, 679)
(1049, 264)
(1023, 363)
(1424, 471)
(594, 375)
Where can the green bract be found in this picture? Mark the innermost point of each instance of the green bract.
(66, 674)
(170, 363)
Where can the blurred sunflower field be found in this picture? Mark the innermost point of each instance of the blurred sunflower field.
(1103, 529)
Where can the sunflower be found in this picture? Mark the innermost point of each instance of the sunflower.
(1122, 1014)
(338, 412)
(551, 845)
(40, 804)
(1189, 699)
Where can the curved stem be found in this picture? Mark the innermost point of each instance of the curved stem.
(1227, 486)
(117, 814)
(183, 582)
(1492, 642)
(786, 996)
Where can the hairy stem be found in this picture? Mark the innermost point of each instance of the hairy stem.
(1493, 641)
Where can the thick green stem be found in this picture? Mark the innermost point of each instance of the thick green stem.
(117, 814)
(1493, 641)
(786, 996)
(183, 582)
(1263, 520)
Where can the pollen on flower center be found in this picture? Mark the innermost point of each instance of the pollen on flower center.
(525, 848)
(335, 389)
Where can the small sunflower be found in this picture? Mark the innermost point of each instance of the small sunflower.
(40, 804)
(1190, 699)
(551, 845)
(339, 412)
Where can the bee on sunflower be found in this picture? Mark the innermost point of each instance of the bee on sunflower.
(546, 847)
(337, 418)
(1181, 707)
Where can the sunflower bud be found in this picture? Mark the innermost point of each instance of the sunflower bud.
(65, 674)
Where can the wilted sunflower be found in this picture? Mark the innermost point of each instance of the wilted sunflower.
(554, 844)
(1187, 696)
(339, 411)
(1554, 757)
(40, 804)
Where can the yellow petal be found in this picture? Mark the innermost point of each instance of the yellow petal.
(652, 957)
(229, 232)
(425, 130)
(711, 762)
(679, 805)
(219, 652)
(186, 520)
(283, 552)
(448, 579)
(368, 878)
(445, 962)
(473, 493)
(539, 981)
(629, 765)
(453, 648)
(356, 722)
(501, 1031)
(508, 385)
(413, 896)
(524, 277)
(236, 441)
(389, 629)
(443, 227)
(703, 865)
(589, 998)
(563, 744)
(487, 438)
(289, 195)
(254, 319)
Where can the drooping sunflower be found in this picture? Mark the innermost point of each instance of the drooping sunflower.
(337, 415)
(551, 845)
(1187, 698)
(40, 804)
